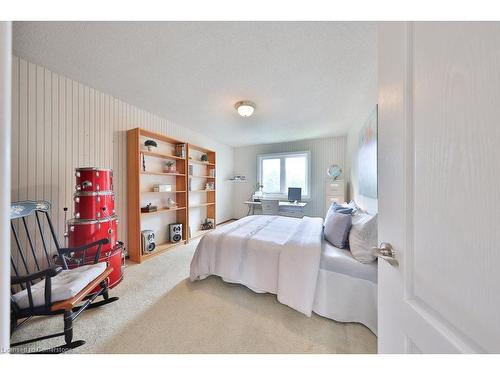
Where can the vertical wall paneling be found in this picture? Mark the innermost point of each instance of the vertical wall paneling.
(59, 124)
(54, 150)
(31, 132)
(15, 129)
(15, 153)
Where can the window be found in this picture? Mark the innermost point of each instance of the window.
(278, 172)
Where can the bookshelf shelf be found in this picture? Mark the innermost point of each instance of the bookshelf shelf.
(191, 161)
(162, 210)
(161, 249)
(163, 173)
(161, 156)
(163, 192)
(201, 204)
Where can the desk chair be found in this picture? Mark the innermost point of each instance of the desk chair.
(270, 207)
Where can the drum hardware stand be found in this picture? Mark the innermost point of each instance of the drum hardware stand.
(66, 234)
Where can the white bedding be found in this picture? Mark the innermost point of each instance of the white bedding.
(347, 289)
(274, 254)
(341, 261)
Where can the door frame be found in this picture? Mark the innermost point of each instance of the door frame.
(5, 129)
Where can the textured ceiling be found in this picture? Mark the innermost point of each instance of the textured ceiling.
(308, 79)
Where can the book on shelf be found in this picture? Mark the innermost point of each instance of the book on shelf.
(180, 150)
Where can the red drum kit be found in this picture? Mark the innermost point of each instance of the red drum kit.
(94, 179)
(94, 204)
(95, 219)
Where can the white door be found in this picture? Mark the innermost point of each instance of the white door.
(439, 187)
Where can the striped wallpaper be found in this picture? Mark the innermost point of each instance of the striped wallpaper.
(324, 152)
(59, 124)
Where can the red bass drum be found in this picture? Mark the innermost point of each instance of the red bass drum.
(93, 179)
(113, 257)
(116, 259)
(82, 232)
(94, 204)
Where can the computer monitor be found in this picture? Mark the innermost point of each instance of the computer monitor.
(294, 194)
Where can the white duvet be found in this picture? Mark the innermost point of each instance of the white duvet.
(274, 254)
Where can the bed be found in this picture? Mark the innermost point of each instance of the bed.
(288, 257)
(347, 289)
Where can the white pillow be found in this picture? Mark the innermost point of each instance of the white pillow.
(363, 237)
(355, 208)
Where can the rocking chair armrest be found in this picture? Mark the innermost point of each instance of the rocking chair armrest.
(47, 273)
(103, 241)
(67, 250)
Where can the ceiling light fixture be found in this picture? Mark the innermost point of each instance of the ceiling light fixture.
(245, 108)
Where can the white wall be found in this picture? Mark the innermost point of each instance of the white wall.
(368, 204)
(324, 152)
(60, 124)
(5, 124)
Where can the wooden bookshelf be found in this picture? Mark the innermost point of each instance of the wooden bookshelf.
(139, 157)
(146, 167)
(201, 201)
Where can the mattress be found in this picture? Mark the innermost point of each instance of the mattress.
(341, 261)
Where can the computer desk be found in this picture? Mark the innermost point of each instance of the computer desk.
(284, 206)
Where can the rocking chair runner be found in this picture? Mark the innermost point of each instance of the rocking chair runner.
(55, 289)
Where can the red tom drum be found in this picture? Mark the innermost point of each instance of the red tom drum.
(93, 179)
(94, 204)
(81, 232)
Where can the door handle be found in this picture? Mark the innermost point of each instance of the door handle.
(386, 252)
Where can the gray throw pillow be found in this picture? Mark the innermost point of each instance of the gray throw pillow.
(334, 207)
(342, 209)
(337, 228)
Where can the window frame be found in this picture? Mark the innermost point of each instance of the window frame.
(283, 194)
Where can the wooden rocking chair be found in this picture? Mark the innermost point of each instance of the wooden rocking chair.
(53, 289)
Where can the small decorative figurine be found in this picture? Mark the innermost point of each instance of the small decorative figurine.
(170, 166)
(171, 203)
(207, 224)
(150, 144)
(149, 208)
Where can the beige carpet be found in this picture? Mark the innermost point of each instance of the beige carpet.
(160, 311)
